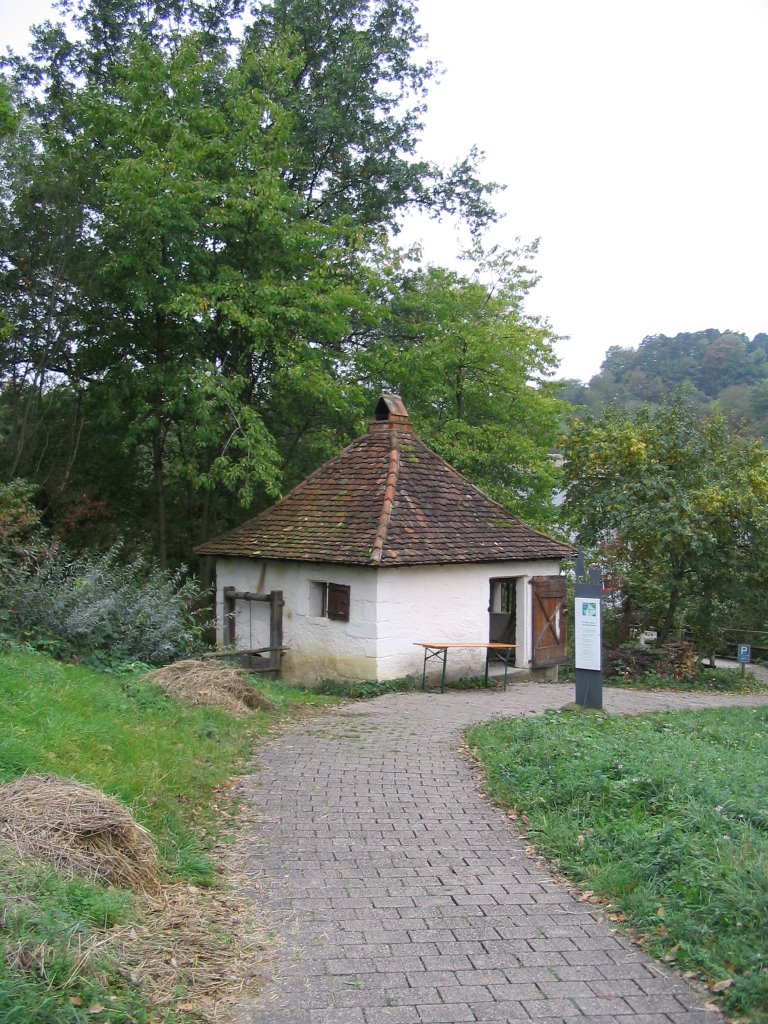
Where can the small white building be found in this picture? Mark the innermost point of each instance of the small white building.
(383, 547)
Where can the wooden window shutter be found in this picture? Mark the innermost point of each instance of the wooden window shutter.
(338, 602)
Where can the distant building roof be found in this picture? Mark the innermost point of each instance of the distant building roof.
(386, 500)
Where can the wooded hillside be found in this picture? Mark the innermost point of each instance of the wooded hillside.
(726, 368)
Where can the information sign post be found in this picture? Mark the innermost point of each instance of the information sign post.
(588, 638)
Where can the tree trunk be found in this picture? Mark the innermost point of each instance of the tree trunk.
(669, 618)
(157, 465)
(205, 569)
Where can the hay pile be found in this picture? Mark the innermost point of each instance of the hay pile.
(212, 684)
(79, 829)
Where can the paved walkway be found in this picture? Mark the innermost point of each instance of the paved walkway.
(402, 897)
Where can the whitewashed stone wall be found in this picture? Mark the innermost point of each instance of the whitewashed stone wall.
(391, 610)
(450, 604)
(319, 647)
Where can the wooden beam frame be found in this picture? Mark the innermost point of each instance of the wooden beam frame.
(276, 603)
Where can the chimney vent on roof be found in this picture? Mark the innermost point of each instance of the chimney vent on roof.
(390, 411)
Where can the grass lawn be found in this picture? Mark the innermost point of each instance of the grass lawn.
(169, 762)
(665, 815)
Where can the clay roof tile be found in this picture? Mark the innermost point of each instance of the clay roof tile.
(387, 500)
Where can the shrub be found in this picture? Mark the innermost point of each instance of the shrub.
(630, 661)
(706, 680)
(100, 611)
(365, 688)
(19, 519)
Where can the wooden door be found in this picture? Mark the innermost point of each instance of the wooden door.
(549, 620)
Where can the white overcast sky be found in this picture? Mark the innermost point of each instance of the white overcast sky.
(633, 140)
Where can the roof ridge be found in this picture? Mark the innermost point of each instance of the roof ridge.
(382, 527)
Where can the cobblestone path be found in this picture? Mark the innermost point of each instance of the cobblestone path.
(401, 896)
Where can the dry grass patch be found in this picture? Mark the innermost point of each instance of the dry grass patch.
(205, 944)
(79, 830)
(211, 684)
(180, 949)
(189, 952)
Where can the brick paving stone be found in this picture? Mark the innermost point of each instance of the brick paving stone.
(658, 1018)
(655, 1004)
(695, 1017)
(412, 996)
(655, 985)
(580, 974)
(337, 1015)
(620, 987)
(477, 977)
(506, 1012)
(400, 896)
(403, 964)
(453, 1013)
(421, 978)
(603, 1006)
(393, 1015)
(567, 989)
(541, 1009)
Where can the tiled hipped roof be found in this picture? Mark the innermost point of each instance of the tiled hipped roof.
(386, 500)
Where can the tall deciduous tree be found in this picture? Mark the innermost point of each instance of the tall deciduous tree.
(474, 369)
(201, 214)
(195, 228)
(679, 508)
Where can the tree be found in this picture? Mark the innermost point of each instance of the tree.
(8, 118)
(195, 236)
(715, 366)
(679, 509)
(473, 368)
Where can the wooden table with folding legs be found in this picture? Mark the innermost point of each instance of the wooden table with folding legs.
(502, 652)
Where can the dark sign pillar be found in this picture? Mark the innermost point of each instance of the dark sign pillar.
(588, 629)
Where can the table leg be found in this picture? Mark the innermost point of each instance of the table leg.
(503, 656)
(429, 653)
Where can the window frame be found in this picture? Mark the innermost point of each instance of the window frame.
(329, 600)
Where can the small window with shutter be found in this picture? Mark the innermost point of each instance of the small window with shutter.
(338, 602)
(329, 600)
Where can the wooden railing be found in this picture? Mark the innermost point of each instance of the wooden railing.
(756, 638)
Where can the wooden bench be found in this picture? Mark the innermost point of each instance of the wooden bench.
(502, 652)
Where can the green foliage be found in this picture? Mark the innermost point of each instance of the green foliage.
(704, 680)
(364, 689)
(8, 118)
(162, 758)
(55, 916)
(101, 611)
(169, 762)
(192, 297)
(720, 369)
(20, 521)
(473, 369)
(678, 508)
(204, 308)
(662, 814)
(67, 987)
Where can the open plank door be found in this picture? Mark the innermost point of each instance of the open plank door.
(549, 620)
